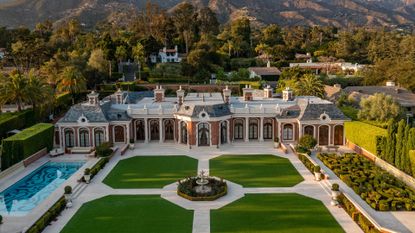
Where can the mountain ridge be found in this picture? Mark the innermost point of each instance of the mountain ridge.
(340, 13)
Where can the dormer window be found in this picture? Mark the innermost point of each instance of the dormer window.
(324, 117)
(82, 119)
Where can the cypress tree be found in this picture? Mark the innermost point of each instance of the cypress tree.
(400, 137)
(390, 142)
(405, 163)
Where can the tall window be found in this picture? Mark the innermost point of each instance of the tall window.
(223, 132)
(169, 130)
(253, 129)
(139, 130)
(99, 137)
(119, 133)
(288, 132)
(309, 130)
(268, 130)
(154, 130)
(83, 138)
(183, 128)
(203, 134)
(69, 138)
(238, 131)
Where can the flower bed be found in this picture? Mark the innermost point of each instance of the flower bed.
(377, 187)
(187, 189)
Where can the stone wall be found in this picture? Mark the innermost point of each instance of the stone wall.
(31, 159)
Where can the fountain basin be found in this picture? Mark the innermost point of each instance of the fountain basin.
(208, 189)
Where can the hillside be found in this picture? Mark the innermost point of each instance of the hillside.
(15, 13)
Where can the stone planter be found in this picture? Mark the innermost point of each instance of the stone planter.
(276, 145)
(131, 147)
(68, 197)
(317, 176)
(335, 195)
(87, 178)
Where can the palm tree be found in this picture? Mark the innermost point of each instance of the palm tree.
(72, 80)
(310, 85)
(14, 89)
(40, 91)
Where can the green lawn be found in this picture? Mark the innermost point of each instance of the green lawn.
(363, 134)
(282, 213)
(135, 214)
(150, 171)
(255, 170)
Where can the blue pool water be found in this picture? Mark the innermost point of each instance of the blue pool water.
(23, 196)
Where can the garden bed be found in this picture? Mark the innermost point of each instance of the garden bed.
(187, 189)
(377, 187)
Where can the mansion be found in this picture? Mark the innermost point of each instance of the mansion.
(200, 119)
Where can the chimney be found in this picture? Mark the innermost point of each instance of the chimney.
(268, 92)
(119, 96)
(287, 94)
(248, 93)
(180, 95)
(93, 99)
(268, 64)
(227, 95)
(159, 94)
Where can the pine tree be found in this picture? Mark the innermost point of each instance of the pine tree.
(400, 137)
(390, 142)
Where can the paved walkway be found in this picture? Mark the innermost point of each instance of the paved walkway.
(201, 222)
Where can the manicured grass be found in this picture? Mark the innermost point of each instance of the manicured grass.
(282, 213)
(255, 170)
(135, 214)
(363, 134)
(150, 171)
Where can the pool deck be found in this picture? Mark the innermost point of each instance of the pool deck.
(14, 224)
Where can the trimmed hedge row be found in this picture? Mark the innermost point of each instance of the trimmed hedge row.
(358, 217)
(377, 187)
(48, 217)
(99, 166)
(22, 145)
(17, 120)
(307, 163)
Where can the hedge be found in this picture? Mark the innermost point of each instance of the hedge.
(22, 145)
(16, 120)
(363, 134)
(374, 185)
(48, 217)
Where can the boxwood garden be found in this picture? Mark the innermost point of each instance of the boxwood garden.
(22, 145)
(377, 187)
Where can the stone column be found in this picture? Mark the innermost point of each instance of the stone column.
(161, 130)
(128, 134)
(300, 130)
(246, 129)
(261, 130)
(145, 130)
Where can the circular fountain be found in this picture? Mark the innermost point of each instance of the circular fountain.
(202, 188)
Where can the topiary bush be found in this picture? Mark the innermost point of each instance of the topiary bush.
(307, 142)
(104, 150)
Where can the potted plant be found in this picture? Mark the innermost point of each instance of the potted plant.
(87, 175)
(276, 142)
(335, 191)
(68, 193)
(131, 144)
(317, 172)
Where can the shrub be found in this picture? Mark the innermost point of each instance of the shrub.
(48, 216)
(16, 120)
(87, 171)
(68, 189)
(104, 149)
(308, 142)
(307, 163)
(303, 150)
(335, 187)
(317, 169)
(365, 140)
(22, 145)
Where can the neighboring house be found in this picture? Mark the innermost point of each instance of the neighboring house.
(402, 96)
(200, 119)
(332, 93)
(265, 73)
(302, 56)
(167, 55)
(329, 67)
(2, 53)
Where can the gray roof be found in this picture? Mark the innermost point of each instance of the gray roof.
(313, 111)
(92, 114)
(401, 95)
(215, 110)
(290, 112)
(265, 70)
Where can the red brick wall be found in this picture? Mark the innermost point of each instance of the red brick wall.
(214, 126)
(191, 129)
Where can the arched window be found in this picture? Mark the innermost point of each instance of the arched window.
(183, 128)
(223, 132)
(238, 132)
(309, 130)
(288, 132)
(203, 134)
(139, 130)
(338, 135)
(154, 130)
(83, 138)
(69, 138)
(119, 133)
(169, 130)
(253, 129)
(323, 135)
(99, 137)
(268, 129)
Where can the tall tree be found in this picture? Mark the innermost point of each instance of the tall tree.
(72, 80)
(400, 142)
(14, 90)
(183, 18)
(391, 142)
(310, 85)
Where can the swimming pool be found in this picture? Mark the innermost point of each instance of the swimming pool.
(23, 196)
